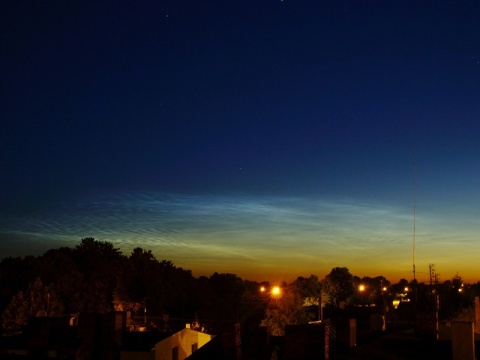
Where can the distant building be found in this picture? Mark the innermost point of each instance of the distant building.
(99, 337)
(181, 344)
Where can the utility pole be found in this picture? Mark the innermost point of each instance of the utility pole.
(145, 311)
(320, 307)
(435, 297)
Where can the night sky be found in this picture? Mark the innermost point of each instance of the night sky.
(269, 139)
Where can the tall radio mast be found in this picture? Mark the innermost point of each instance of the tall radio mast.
(414, 209)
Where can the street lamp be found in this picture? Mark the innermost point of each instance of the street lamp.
(384, 300)
(276, 291)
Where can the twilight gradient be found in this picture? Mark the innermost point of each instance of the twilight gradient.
(269, 139)
(257, 238)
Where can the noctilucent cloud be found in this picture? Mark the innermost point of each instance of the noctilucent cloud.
(269, 139)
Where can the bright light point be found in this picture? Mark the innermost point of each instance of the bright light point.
(262, 289)
(384, 288)
(276, 291)
(406, 289)
(361, 288)
(396, 302)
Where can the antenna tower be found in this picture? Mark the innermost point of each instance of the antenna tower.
(414, 211)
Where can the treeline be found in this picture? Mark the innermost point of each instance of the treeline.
(94, 276)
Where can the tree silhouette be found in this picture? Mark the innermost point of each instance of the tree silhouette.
(100, 265)
(286, 309)
(15, 275)
(58, 268)
(38, 300)
(338, 287)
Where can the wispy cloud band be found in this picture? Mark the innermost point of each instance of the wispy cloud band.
(220, 233)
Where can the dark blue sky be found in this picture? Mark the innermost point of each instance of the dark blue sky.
(223, 101)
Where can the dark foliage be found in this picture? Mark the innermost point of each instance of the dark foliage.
(94, 276)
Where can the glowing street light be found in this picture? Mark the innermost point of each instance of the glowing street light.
(276, 291)
(361, 288)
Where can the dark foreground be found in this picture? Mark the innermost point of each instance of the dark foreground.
(402, 345)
